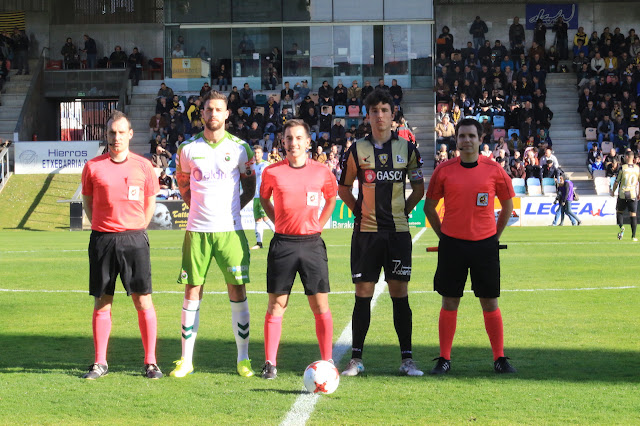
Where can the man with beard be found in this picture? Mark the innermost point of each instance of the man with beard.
(210, 169)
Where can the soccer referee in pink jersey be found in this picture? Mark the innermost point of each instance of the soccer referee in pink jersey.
(119, 197)
(296, 184)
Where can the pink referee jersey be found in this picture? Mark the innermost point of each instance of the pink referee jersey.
(118, 191)
(296, 195)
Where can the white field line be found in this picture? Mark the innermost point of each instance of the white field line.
(304, 405)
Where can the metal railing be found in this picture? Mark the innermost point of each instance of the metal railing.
(4, 168)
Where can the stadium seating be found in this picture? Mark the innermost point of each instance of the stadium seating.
(354, 111)
(498, 121)
(159, 69)
(352, 121)
(440, 105)
(314, 97)
(247, 110)
(314, 136)
(512, 131)
(261, 99)
(632, 131)
(606, 147)
(518, 186)
(276, 97)
(364, 110)
(602, 185)
(590, 145)
(259, 110)
(498, 133)
(548, 186)
(533, 187)
(599, 173)
(53, 65)
(341, 111)
(481, 118)
(591, 134)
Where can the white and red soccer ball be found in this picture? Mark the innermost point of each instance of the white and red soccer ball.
(321, 377)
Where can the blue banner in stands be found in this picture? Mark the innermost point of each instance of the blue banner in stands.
(549, 13)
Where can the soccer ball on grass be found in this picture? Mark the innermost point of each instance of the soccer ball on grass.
(321, 377)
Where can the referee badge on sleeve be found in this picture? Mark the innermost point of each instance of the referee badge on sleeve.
(483, 199)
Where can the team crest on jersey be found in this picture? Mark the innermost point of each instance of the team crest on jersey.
(483, 199)
(400, 160)
(383, 158)
(313, 199)
(227, 157)
(369, 176)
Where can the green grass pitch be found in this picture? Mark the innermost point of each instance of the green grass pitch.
(570, 305)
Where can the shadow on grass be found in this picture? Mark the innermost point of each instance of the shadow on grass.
(34, 204)
(72, 354)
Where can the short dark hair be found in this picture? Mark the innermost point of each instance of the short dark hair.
(214, 95)
(118, 115)
(469, 122)
(296, 123)
(376, 97)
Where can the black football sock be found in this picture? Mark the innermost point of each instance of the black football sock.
(360, 321)
(403, 322)
(634, 224)
(619, 219)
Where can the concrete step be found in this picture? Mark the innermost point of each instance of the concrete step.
(9, 113)
(16, 101)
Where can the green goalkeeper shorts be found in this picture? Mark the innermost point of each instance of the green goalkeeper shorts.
(230, 250)
(258, 211)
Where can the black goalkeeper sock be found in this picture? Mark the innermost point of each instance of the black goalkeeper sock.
(360, 321)
(634, 224)
(403, 322)
(619, 219)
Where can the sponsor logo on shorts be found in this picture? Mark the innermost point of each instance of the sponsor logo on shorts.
(240, 268)
(184, 275)
(398, 269)
(482, 199)
(358, 275)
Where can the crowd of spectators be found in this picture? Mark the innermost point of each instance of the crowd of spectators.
(503, 88)
(607, 68)
(336, 117)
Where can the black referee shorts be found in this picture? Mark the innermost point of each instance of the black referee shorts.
(303, 254)
(455, 259)
(119, 253)
(372, 251)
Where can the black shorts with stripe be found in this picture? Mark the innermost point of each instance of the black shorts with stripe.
(119, 253)
(630, 204)
(302, 254)
(457, 257)
(372, 251)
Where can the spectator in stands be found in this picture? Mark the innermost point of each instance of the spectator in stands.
(561, 28)
(274, 155)
(605, 129)
(612, 166)
(442, 91)
(516, 166)
(444, 44)
(177, 51)
(134, 63)
(118, 58)
(549, 157)
(531, 164)
(364, 128)
(501, 144)
(325, 120)
(338, 133)
(91, 50)
(396, 92)
(540, 33)
(516, 33)
(165, 91)
(611, 64)
(366, 90)
(302, 90)
(597, 65)
(340, 94)
(381, 85)
(162, 156)
(272, 121)
(325, 94)
(621, 140)
(549, 170)
(319, 155)
(588, 117)
(21, 51)
(158, 124)
(486, 151)
(634, 142)
(597, 164)
(324, 142)
(311, 118)
(456, 115)
(445, 131)
(543, 116)
(246, 96)
(580, 38)
(222, 78)
(354, 91)
(70, 55)
(477, 30)
(206, 89)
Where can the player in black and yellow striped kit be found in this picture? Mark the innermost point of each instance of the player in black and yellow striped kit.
(381, 163)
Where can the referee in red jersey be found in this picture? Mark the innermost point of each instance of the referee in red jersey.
(469, 239)
(296, 184)
(119, 197)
